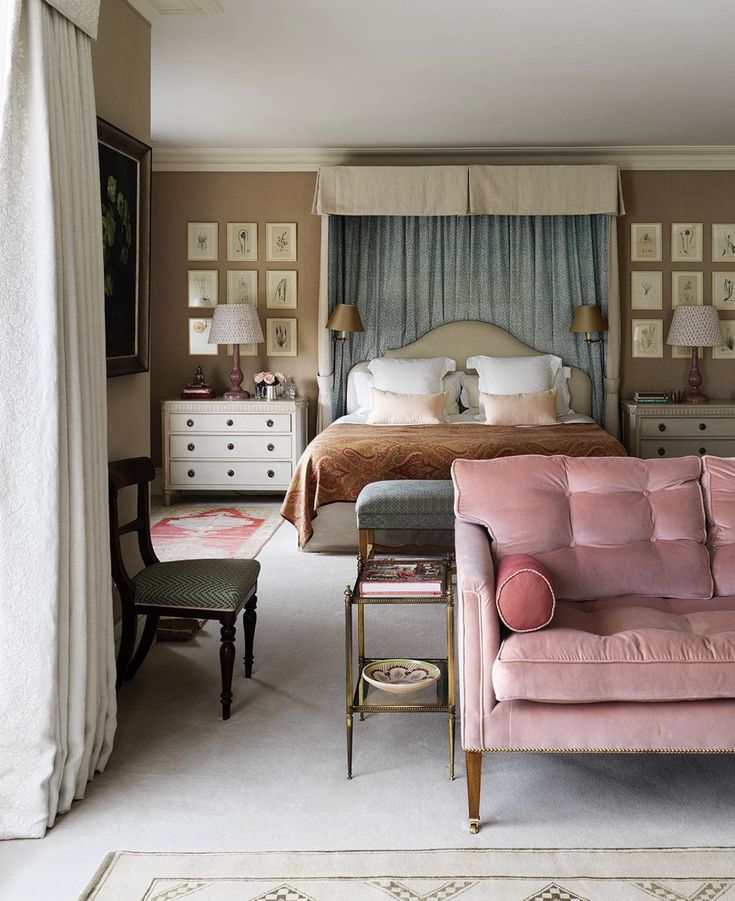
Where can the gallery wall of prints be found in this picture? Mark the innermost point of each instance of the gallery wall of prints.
(254, 269)
(661, 281)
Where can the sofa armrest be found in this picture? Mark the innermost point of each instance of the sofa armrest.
(478, 629)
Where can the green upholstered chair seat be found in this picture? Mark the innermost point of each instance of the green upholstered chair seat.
(409, 504)
(199, 584)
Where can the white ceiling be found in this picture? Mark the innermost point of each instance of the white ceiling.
(447, 73)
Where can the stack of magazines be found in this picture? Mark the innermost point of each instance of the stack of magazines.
(651, 397)
(399, 577)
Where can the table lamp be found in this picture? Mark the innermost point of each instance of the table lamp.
(235, 324)
(345, 318)
(588, 319)
(695, 327)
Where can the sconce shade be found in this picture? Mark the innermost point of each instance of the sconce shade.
(345, 318)
(695, 327)
(588, 319)
(235, 323)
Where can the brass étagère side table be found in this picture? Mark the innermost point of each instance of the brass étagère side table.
(362, 698)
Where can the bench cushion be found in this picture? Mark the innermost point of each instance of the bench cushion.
(197, 584)
(623, 649)
(404, 504)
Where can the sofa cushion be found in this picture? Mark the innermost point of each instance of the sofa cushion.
(718, 482)
(623, 649)
(604, 526)
(524, 596)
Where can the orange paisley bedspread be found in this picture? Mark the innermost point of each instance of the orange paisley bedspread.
(344, 458)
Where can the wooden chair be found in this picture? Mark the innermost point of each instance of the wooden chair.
(204, 589)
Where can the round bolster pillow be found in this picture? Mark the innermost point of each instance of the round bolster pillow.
(524, 596)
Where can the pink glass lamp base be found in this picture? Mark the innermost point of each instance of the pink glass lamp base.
(237, 392)
(693, 395)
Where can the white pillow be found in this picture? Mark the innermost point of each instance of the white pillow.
(470, 394)
(410, 376)
(518, 375)
(364, 381)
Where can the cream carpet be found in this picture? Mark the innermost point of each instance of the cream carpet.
(514, 875)
(272, 778)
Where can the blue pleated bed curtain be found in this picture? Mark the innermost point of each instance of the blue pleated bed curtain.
(526, 274)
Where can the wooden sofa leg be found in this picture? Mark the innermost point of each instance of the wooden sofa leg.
(473, 761)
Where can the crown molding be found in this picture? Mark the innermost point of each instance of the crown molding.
(183, 159)
(145, 8)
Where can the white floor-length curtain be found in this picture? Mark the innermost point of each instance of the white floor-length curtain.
(57, 698)
(325, 375)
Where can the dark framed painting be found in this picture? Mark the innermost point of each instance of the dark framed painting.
(125, 191)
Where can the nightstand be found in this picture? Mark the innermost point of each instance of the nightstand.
(677, 430)
(241, 445)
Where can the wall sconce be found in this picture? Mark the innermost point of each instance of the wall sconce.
(589, 319)
(345, 318)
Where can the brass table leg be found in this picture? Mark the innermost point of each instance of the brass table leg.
(348, 677)
(451, 699)
(361, 656)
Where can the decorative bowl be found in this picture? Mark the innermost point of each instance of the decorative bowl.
(401, 676)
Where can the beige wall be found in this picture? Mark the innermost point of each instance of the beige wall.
(668, 197)
(180, 197)
(121, 61)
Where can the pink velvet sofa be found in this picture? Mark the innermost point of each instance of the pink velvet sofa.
(640, 654)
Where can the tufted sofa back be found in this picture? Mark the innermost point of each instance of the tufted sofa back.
(718, 482)
(603, 526)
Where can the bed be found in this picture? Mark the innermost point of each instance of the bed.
(349, 454)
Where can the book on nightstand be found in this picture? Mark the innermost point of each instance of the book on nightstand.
(651, 397)
(402, 577)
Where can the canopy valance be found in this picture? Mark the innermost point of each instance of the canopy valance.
(459, 190)
(82, 13)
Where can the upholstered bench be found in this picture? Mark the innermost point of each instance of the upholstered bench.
(410, 505)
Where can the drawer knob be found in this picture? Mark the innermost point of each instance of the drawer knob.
(702, 426)
(661, 451)
(191, 473)
(702, 450)
(662, 426)
(269, 423)
(230, 472)
(190, 422)
(230, 422)
(230, 446)
(271, 447)
(271, 474)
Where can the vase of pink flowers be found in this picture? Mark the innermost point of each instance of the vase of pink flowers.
(266, 384)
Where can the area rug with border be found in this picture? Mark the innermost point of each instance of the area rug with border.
(671, 874)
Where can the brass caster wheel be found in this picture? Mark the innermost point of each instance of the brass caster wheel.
(474, 827)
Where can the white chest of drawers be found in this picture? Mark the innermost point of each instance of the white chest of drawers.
(677, 430)
(215, 445)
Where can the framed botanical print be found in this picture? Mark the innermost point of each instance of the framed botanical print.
(242, 241)
(679, 352)
(648, 338)
(199, 338)
(723, 290)
(203, 287)
(726, 351)
(645, 242)
(202, 239)
(280, 289)
(686, 242)
(723, 242)
(281, 338)
(242, 286)
(687, 288)
(280, 241)
(646, 290)
(125, 192)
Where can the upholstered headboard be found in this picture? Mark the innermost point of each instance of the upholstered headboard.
(460, 340)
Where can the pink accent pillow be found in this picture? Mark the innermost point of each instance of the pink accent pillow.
(538, 408)
(524, 596)
(406, 409)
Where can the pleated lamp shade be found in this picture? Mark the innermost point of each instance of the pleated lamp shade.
(695, 327)
(588, 318)
(345, 318)
(235, 323)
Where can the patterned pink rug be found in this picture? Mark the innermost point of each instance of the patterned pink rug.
(193, 531)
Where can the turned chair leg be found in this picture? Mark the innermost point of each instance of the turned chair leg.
(227, 662)
(473, 761)
(127, 644)
(144, 645)
(249, 620)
